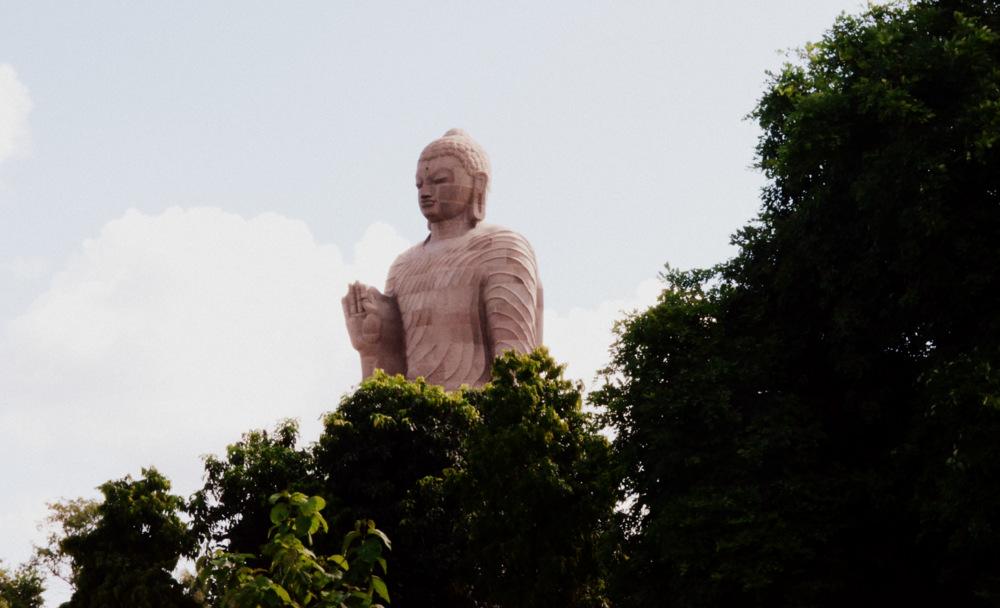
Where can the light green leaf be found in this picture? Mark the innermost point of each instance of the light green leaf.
(279, 513)
(380, 588)
(280, 592)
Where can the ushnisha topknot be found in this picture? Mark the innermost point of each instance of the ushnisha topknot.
(457, 143)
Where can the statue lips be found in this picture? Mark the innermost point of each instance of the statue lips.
(427, 206)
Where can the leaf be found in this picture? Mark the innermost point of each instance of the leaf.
(340, 560)
(302, 525)
(349, 538)
(313, 505)
(381, 535)
(279, 513)
(380, 588)
(280, 592)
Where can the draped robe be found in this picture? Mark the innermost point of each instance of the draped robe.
(464, 301)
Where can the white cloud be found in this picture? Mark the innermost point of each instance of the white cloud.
(15, 104)
(166, 336)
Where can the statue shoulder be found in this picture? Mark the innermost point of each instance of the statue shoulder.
(401, 266)
(505, 256)
(408, 255)
(493, 237)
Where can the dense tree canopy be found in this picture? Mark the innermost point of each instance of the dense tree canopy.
(537, 491)
(382, 456)
(126, 557)
(492, 496)
(22, 587)
(815, 421)
(232, 508)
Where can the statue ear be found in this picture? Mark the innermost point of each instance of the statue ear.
(477, 206)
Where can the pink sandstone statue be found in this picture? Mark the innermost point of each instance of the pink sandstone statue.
(456, 301)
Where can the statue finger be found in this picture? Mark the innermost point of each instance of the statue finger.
(351, 299)
(356, 289)
(374, 297)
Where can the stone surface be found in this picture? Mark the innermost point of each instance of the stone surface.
(467, 293)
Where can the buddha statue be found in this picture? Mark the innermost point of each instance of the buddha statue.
(460, 298)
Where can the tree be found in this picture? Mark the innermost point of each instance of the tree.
(492, 496)
(232, 508)
(76, 517)
(294, 575)
(21, 588)
(814, 421)
(125, 557)
(537, 490)
(382, 456)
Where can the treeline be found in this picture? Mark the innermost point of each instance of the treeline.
(812, 423)
(496, 496)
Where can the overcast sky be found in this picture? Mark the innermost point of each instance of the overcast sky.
(186, 188)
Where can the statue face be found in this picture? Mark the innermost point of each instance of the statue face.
(445, 189)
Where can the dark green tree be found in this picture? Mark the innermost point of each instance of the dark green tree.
(815, 421)
(22, 587)
(383, 456)
(126, 558)
(232, 508)
(492, 496)
(536, 492)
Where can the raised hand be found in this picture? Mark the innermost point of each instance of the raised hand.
(375, 328)
(364, 325)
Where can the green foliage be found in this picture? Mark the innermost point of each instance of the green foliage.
(724, 492)
(295, 575)
(537, 491)
(72, 518)
(124, 557)
(21, 588)
(382, 456)
(814, 422)
(493, 496)
(232, 508)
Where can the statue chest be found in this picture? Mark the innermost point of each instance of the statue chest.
(440, 294)
(440, 302)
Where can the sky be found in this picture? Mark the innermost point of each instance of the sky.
(186, 189)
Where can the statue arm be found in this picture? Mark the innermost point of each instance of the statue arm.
(390, 356)
(512, 296)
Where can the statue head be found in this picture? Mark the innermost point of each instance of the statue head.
(453, 176)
